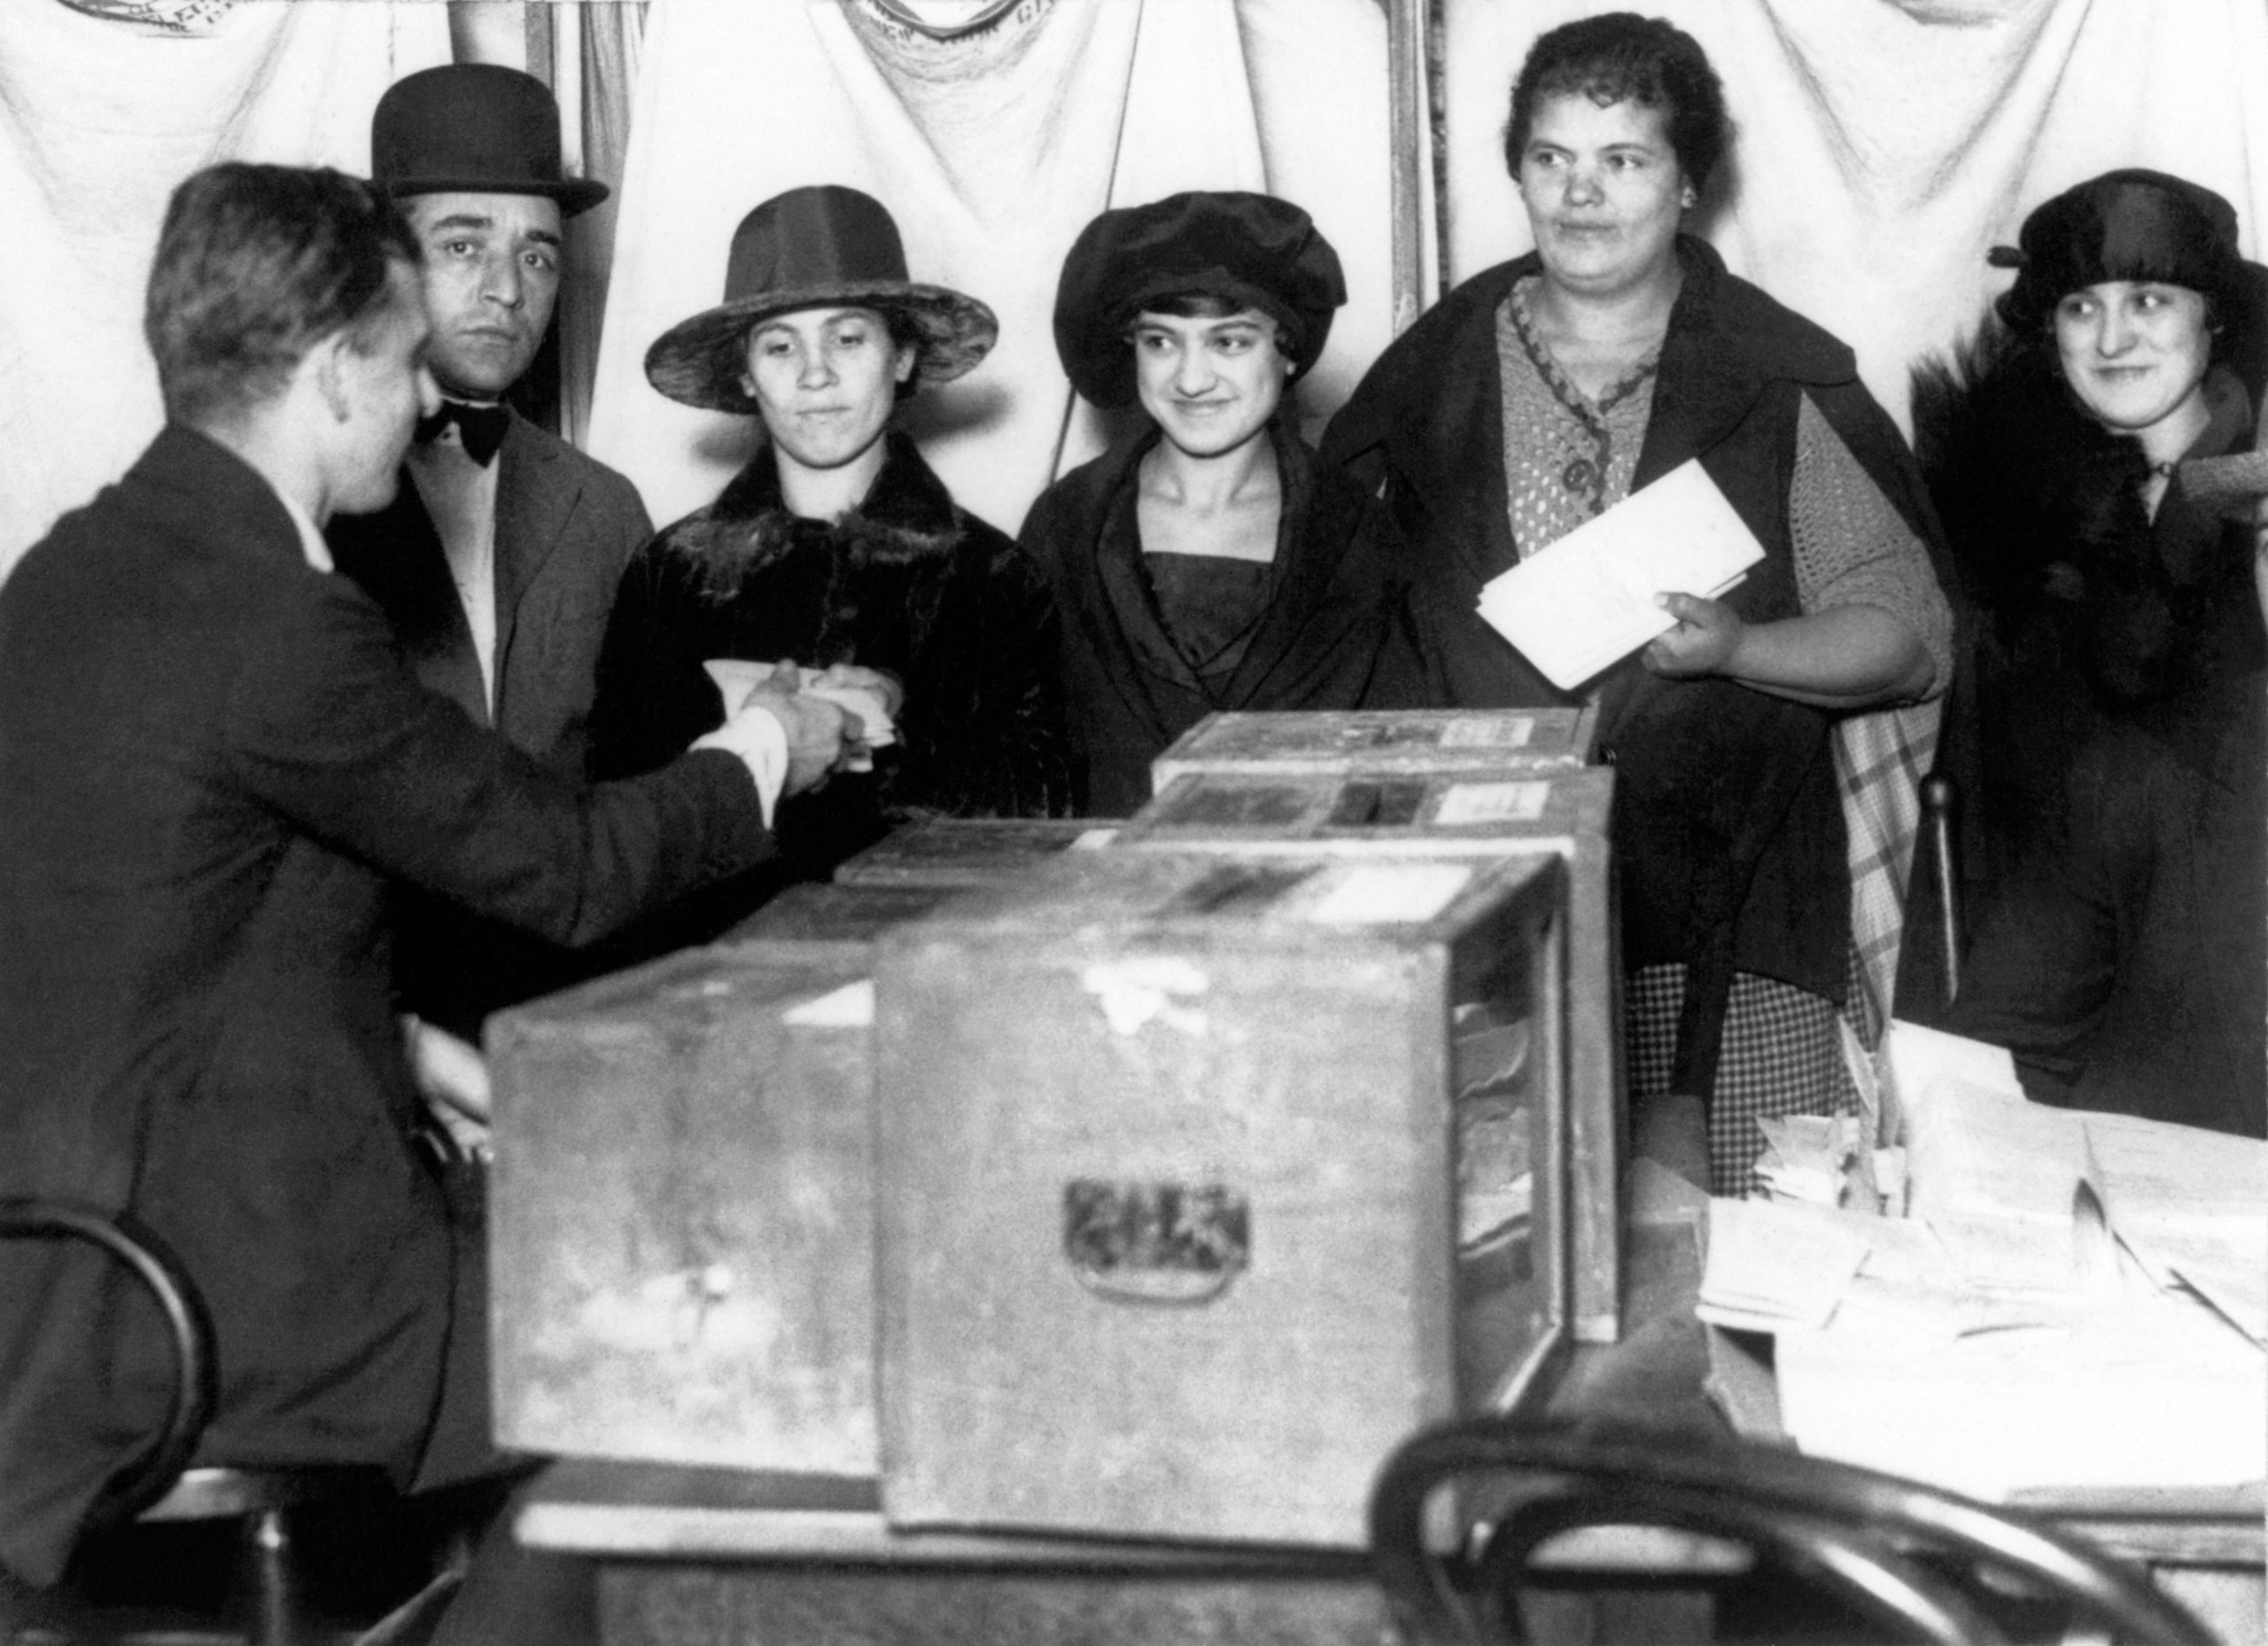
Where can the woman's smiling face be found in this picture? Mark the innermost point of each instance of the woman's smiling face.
(2133, 351)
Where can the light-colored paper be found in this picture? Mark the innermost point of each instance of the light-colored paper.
(1773, 1264)
(737, 677)
(1588, 600)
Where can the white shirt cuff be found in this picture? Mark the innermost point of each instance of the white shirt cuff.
(756, 735)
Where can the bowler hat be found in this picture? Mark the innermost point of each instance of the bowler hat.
(1253, 250)
(475, 128)
(2124, 225)
(821, 247)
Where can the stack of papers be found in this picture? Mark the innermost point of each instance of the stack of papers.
(2076, 1301)
(1587, 602)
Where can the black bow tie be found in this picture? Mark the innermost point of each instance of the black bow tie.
(481, 428)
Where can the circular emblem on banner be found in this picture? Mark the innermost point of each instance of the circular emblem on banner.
(165, 16)
(959, 36)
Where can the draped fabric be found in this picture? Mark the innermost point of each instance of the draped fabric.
(101, 114)
(992, 151)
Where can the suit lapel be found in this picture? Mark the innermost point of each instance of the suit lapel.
(536, 495)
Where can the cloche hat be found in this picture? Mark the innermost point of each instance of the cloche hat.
(475, 128)
(821, 247)
(2132, 224)
(1253, 250)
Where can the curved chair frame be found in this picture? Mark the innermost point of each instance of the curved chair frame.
(147, 1258)
(1855, 1531)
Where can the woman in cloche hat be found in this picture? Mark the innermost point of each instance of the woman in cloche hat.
(1209, 562)
(2057, 447)
(836, 548)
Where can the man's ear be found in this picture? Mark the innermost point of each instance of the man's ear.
(326, 362)
(906, 356)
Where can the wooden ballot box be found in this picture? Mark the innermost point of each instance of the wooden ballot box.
(967, 851)
(1382, 742)
(681, 1208)
(1202, 1182)
(681, 1213)
(1565, 812)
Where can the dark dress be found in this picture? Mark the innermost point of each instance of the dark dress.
(908, 584)
(1335, 624)
(2126, 966)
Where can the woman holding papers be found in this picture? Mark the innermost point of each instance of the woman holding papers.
(1209, 562)
(2062, 447)
(837, 548)
(1540, 394)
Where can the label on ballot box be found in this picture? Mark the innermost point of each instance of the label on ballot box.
(681, 1207)
(1203, 1182)
(1565, 812)
(968, 851)
(1382, 743)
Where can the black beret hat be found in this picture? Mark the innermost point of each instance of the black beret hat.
(2124, 225)
(1253, 250)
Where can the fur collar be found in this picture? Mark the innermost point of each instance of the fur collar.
(2030, 488)
(908, 517)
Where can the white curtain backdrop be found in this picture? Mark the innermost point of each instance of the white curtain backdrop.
(992, 153)
(99, 119)
(1884, 144)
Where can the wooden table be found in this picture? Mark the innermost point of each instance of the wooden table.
(721, 1557)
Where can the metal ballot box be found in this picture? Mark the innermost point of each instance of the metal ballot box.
(1202, 1182)
(1382, 742)
(967, 851)
(1565, 812)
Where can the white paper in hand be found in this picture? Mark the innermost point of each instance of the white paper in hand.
(1588, 600)
(736, 677)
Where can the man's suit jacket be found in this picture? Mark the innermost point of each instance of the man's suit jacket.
(213, 757)
(565, 527)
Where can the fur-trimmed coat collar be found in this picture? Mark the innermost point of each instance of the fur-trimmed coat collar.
(907, 517)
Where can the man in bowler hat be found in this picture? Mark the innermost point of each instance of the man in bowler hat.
(499, 557)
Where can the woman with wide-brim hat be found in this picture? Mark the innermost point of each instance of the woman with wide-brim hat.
(836, 548)
(1539, 393)
(2132, 342)
(1209, 561)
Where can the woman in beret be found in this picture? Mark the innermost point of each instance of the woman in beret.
(837, 548)
(2057, 447)
(1542, 391)
(1209, 562)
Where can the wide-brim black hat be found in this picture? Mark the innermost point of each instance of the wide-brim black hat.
(474, 129)
(2132, 224)
(1253, 250)
(821, 247)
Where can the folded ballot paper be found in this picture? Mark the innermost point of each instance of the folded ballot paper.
(2074, 1300)
(736, 677)
(1587, 602)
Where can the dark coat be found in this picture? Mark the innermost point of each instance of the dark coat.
(566, 526)
(210, 758)
(1340, 632)
(2128, 966)
(908, 584)
(1729, 835)
(2078, 606)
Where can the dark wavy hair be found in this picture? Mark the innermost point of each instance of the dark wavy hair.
(255, 266)
(1621, 56)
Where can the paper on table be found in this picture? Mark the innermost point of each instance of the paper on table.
(1588, 600)
(1771, 1265)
